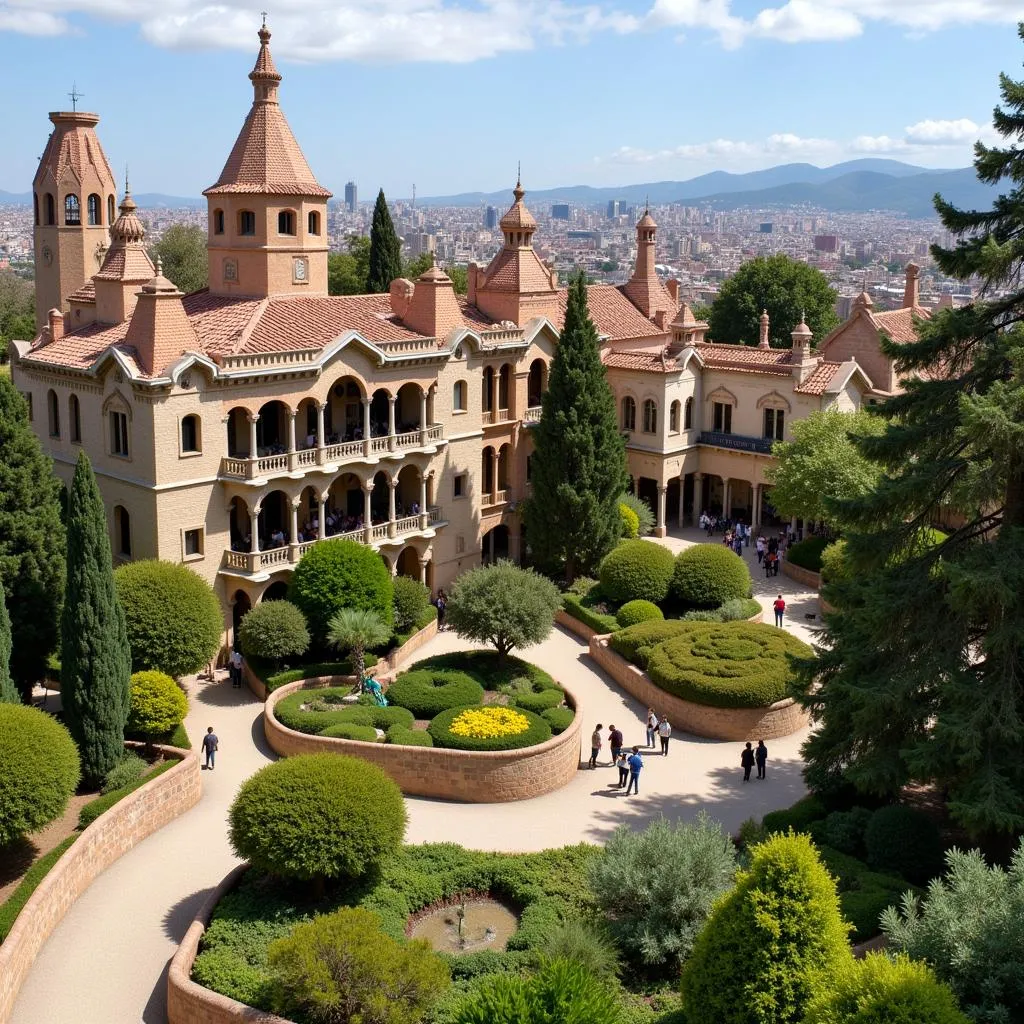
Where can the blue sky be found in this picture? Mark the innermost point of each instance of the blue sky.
(450, 96)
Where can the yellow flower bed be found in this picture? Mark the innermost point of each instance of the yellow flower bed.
(486, 723)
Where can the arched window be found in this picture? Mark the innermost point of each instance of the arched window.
(628, 413)
(35, 206)
(246, 222)
(488, 388)
(53, 413)
(75, 419)
(110, 209)
(218, 222)
(536, 383)
(650, 416)
(673, 418)
(191, 439)
(688, 415)
(72, 211)
(122, 531)
(286, 223)
(51, 210)
(459, 396)
(95, 210)
(313, 223)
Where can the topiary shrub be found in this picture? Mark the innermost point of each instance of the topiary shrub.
(769, 942)
(351, 731)
(274, 630)
(807, 553)
(558, 718)
(538, 700)
(902, 841)
(635, 643)
(411, 600)
(630, 522)
(727, 664)
(129, 769)
(807, 809)
(174, 620)
(313, 711)
(883, 990)
(337, 574)
(428, 692)
(317, 816)
(633, 612)
(157, 705)
(488, 728)
(637, 569)
(402, 736)
(843, 830)
(708, 575)
(39, 770)
(342, 967)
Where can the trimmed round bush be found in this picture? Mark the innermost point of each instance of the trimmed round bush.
(539, 700)
(637, 569)
(708, 575)
(630, 522)
(558, 718)
(39, 770)
(174, 620)
(351, 731)
(635, 643)
(427, 692)
(536, 730)
(726, 664)
(157, 704)
(401, 736)
(274, 630)
(336, 574)
(128, 770)
(807, 553)
(317, 816)
(633, 612)
(902, 841)
(324, 709)
(411, 599)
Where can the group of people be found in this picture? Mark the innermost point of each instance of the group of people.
(770, 551)
(754, 756)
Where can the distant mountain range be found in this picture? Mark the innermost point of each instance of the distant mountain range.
(145, 200)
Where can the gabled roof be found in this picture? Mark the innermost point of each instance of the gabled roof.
(613, 314)
(899, 324)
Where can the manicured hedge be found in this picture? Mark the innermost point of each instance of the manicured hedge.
(289, 712)
(92, 810)
(807, 552)
(539, 700)
(483, 666)
(708, 575)
(807, 809)
(351, 731)
(558, 718)
(633, 612)
(428, 692)
(637, 569)
(636, 643)
(312, 670)
(537, 731)
(726, 665)
(734, 610)
(405, 737)
(577, 607)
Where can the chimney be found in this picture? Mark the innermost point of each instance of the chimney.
(432, 308)
(763, 336)
(160, 330)
(55, 318)
(661, 319)
(911, 292)
(802, 360)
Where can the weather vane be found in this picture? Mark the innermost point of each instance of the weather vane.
(75, 96)
(264, 13)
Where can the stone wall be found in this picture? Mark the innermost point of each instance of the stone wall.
(469, 776)
(112, 834)
(801, 575)
(574, 625)
(781, 719)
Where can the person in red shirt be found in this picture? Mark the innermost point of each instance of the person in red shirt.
(780, 610)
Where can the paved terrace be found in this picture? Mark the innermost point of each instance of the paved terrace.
(106, 963)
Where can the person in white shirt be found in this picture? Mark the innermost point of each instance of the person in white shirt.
(665, 732)
(235, 669)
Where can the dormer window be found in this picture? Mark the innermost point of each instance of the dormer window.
(286, 223)
(246, 222)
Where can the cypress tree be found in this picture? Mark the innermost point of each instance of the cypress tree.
(8, 692)
(95, 656)
(31, 541)
(578, 468)
(385, 249)
(921, 680)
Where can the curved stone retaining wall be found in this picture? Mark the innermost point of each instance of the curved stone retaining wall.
(470, 776)
(574, 625)
(781, 719)
(112, 834)
(801, 575)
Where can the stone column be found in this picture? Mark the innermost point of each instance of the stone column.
(293, 537)
(321, 526)
(792, 526)
(424, 518)
(423, 416)
(494, 397)
(254, 418)
(391, 421)
(660, 529)
(392, 488)
(424, 562)
(367, 512)
(291, 431)
(321, 438)
(682, 496)
(366, 426)
(254, 526)
(727, 497)
(698, 496)
(494, 476)
(755, 512)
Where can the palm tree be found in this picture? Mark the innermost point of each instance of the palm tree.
(353, 630)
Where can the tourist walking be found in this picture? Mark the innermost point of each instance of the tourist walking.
(615, 742)
(652, 726)
(760, 545)
(636, 763)
(623, 765)
(747, 761)
(665, 734)
(441, 604)
(210, 742)
(235, 668)
(780, 609)
(595, 745)
(761, 756)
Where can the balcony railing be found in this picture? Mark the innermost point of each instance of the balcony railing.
(737, 442)
(532, 415)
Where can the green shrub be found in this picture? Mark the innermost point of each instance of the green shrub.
(882, 990)
(342, 967)
(428, 615)
(588, 611)
(317, 816)
(539, 700)
(798, 817)
(324, 710)
(174, 619)
(636, 611)
(537, 731)
(630, 522)
(427, 693)
(843, 830)
(157, 704)
(738, 609)
(807, 553)
(558, 718)
(637, 569)
(411, 599)
(129, 769)
(39, 770)
(402, 736)
(835, 567)
(708, 575)
(769, 942)
(351, 731)
(644, 513)
(657, 886)
(94, 808)
(903, 841)
(311, 670)
(726, 665)
(582, 586)
(586, 942)
(487, 669)
(337, 574)
(636, 642)
(274, 630)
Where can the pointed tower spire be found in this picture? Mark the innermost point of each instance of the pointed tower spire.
(126, 265)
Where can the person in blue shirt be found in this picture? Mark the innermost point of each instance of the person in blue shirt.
(636, 763)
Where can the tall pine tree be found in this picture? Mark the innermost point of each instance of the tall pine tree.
(8, 691)
(922, 678)
(95, 657)
(31, 541)
(385, 249)
(578, 468)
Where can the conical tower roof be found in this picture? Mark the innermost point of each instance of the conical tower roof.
(127, 259)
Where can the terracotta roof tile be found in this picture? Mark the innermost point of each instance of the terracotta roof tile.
(646, 362)
(899, 323)
(819, 379)
(613, 314)
(745, 357)
(87, 293)
(81, 348)
(518, 271)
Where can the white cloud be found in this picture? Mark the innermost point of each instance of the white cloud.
(802, 21)
(941, 133)
(878, 144)
(32, 23)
